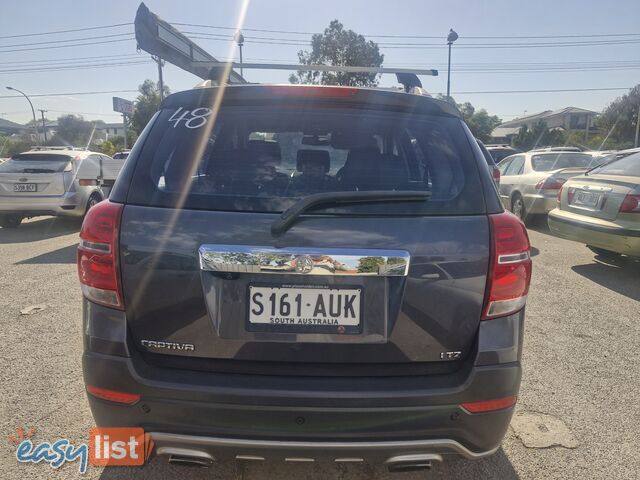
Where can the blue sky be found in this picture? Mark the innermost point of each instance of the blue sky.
(371, 17)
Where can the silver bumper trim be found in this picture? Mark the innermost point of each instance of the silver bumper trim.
(304, 261)
(392, 448)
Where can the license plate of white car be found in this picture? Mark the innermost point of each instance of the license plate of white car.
(304, 309)
(586, 199)
(24, 187)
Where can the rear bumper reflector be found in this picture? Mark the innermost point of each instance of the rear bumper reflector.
(113, 396)
(490, 405)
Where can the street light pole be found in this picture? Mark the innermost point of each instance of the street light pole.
(160, 63)
(637, 127)
(452, 37)
(35, 122)
(239, 38)
(44, 127)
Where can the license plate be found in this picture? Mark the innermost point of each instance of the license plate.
(24, 187)
(304, 309)
(586, 199)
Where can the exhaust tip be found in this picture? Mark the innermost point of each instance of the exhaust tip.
(409, 467)
(187, 457)
(411, 463)
(185, 461)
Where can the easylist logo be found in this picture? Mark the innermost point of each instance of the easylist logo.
(119, 446)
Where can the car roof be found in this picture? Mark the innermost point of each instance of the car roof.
(336, 95)
(59, 151)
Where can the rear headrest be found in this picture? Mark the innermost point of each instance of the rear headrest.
(319, 157)
(360, 156)
(268, 147)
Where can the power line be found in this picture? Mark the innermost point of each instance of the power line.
(291, 32)
(52, 68)
(67, 40)
(554, 90)
(72, 59)
(68, 31)
(64, 46)
(70, 94)
(111, 114)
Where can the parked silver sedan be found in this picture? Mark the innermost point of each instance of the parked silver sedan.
(529, 182)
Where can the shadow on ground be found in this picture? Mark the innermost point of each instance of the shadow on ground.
(621, 275)
(497, 466)
(62, 255)
(41, 228)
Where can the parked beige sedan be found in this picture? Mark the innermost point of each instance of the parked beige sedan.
(602, 208)
(530, 181)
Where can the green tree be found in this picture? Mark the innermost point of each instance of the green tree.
(538, 136)
(339, 47)
(620, 118)
(107, 147)
(147, 104)
(479, 122)
(370, 264)
(72, 130)
(10, 145)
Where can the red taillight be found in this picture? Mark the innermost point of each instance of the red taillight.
(85, 182)
(113, 396)
(550, 183)
(312, 91)
(97, 255)
(496, 175)
(490, 405)
(510, 266)
(630, 204)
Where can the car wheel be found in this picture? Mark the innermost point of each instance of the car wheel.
(603, 253)
(10, 221)
(93, 200)
(518, 208)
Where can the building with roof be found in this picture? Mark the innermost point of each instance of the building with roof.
(568, 119)
(8, 127)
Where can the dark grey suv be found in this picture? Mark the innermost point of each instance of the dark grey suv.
(305, 273)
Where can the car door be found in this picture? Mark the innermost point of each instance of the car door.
(508, 168)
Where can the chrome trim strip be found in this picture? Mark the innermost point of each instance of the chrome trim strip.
(513, 258)
(415, 458)
(304, 261)
(398, 445)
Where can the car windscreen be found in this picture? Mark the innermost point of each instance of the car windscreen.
(35, 163)
(545, 162)
(265, 159)
(628, 166)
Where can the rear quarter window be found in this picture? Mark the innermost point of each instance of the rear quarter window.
(627, 166)
(264, 159)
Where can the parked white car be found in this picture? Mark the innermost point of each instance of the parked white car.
(529, 182)
(54, 181)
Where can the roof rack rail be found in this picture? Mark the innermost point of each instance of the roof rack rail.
(408, 77)
(54, 147)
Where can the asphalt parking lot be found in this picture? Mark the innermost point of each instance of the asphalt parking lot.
(581, 372)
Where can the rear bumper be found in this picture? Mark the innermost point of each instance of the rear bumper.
(71, 203)
(536, 204)
(595, 232)
(370, 418)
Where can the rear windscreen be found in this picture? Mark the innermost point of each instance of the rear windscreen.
(627, 166)
(266, 159)
(35, 163)
(554, 161)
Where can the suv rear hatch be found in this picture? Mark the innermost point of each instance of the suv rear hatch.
(374, 288)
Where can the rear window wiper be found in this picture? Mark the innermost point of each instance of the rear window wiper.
(291, 214)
